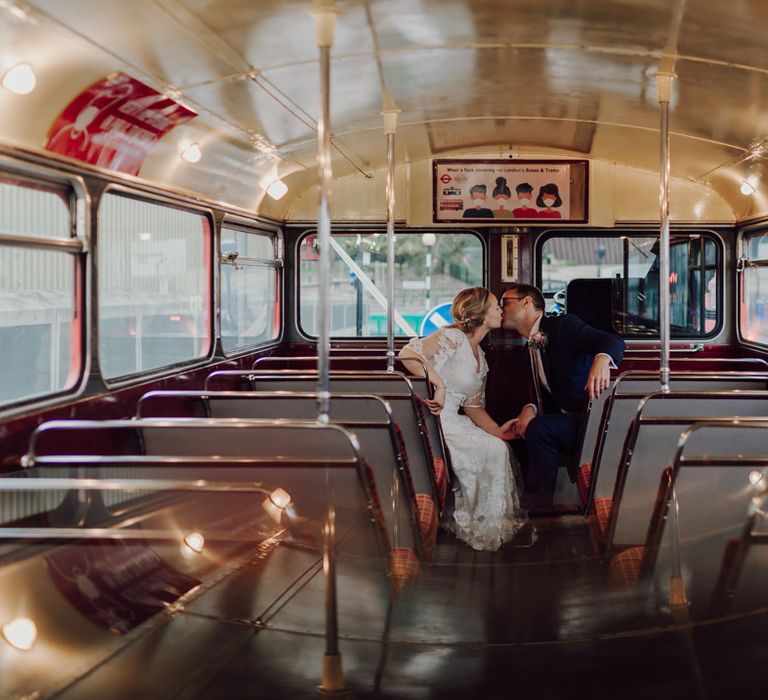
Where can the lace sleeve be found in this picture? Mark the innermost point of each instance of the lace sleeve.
(477, 400)
(437, 348)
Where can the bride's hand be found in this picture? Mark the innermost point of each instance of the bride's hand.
(435, 405)
(510, 429)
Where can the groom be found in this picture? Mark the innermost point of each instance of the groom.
(570, 364)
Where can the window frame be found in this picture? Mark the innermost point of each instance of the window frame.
(277, 263)
(171, 202)
(742, 263)
(77, 201)
(369, 231)
(710, 233)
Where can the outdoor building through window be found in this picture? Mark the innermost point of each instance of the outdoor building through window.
(430, 268)
(613, 282)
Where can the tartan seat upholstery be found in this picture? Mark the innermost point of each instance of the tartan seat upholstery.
(427, 514)
(403, 567)
(624, 569)
(597, 520)
(583, 481)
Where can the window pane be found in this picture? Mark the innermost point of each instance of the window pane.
(37, 320)
(757, 246)
(633, 299)
(429, 270)
(249, 245)
(154, 307)
(249, 314)
(34, 211)
(754, 327)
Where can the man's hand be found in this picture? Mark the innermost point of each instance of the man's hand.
(599, 377)
(515, 428)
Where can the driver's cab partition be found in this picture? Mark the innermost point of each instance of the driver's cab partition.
(597, 302)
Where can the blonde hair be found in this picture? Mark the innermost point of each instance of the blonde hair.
(468, 308)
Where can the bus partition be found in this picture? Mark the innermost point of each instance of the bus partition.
(428, 471)
(650, 447)
(410, 517)
(305, 469)
(609, 419)
(705, 547)
(377, 363)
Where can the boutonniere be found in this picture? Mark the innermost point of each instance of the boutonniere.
(538, 341)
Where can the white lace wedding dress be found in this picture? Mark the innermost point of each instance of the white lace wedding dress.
(487, 511)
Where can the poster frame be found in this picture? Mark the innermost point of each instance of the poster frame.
(579, 191)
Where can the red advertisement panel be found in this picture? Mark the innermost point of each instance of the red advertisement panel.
(114, 123)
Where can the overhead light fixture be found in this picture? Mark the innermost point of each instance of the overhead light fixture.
(749, 186)
(195, 541)
(20, 79)
(191, 153)
(20, 633)
(277, 189)
(755, 477)
(276, 503)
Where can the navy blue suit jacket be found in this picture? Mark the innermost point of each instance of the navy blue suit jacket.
(570, 349)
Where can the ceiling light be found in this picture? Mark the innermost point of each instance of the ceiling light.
(755, 478)
(191, 153)
(20, 79)
(747, 188)
(20, 633)
(195, 541)
(277, 189)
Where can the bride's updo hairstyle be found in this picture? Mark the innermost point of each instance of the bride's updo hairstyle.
(468, 308)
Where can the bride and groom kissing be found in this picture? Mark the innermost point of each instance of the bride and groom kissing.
(570, 365)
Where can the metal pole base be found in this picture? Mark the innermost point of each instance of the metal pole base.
(677, 597)
(333, 676)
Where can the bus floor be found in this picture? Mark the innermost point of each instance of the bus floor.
(525, 622)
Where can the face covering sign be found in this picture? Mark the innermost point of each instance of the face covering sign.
(505, 191)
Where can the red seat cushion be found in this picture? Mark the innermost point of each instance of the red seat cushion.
(441, 478)
(583, 480)
(624, 569)
(403, 567)
(427, 522)
(597, 520)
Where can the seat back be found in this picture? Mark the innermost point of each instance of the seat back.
(721, 562)
(368, 417)
(651, 447)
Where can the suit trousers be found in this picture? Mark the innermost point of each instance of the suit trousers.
(547, 436)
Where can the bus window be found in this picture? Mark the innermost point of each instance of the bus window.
(632, 263)
(429, 270)
(754, 289)
(154, 282)
(250, 310)
(39, 319)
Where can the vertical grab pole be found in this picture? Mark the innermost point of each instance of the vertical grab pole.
(390, 127)
(664, 88)
(324, 13)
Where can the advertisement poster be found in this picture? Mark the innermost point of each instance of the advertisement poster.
(114, 123)
(505, 191)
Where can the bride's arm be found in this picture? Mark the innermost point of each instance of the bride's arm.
(479, 416)
(435, 405)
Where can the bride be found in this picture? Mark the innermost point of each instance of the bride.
(487, 508)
